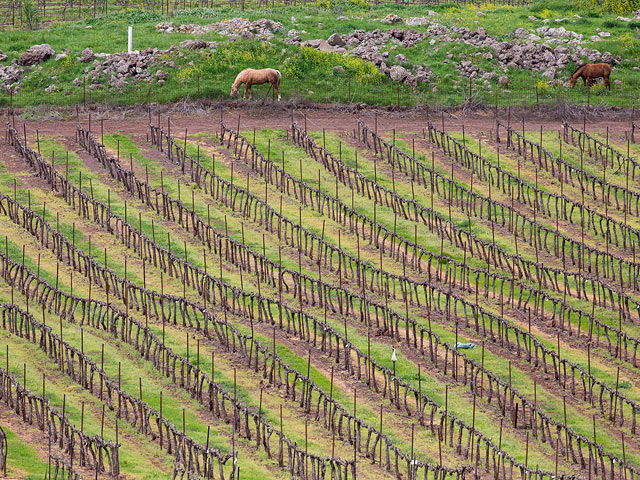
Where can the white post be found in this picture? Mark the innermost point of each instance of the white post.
(130, 44)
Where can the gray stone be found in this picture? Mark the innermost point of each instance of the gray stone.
(193, 44)
(87, 55)
(398, 73)
(37, 54)
(400, 58)
(521, 32)
(391, 18)
(161, 75)
(503, 80)
(338, 69)
(312, 43)
(50, 88)
(335, 40)
(117, 83)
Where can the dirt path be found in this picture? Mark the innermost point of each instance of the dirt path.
(340, 118)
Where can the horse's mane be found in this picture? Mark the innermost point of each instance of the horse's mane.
(578, 69)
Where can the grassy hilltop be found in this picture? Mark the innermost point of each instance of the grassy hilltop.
(310, 74)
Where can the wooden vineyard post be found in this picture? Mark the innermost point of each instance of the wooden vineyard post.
(280, 459)
(161, 419)
(446, 411)
(380, 434)
(566, 433)
(615, 398)
(355, 415)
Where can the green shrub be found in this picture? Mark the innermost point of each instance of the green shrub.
(129, 17)
(615, 6)
(30, 14)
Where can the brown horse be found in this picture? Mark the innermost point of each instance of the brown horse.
(250, 77)
(590, 71)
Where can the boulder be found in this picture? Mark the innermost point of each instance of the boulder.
(400, 58)
(335, 40)
(521, 32)
(161, 75)
(37, 54)
(3, 57)
(391, 18)
(417, 21)
(312, 43)
(193, 44)
(117, 83)
(320, 44)
(398, 73)
(87, 55)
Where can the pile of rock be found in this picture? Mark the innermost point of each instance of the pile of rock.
(368, 46)
(120, 68)
(532, 56)
(234, 27)
(550, 34)
(10, 75)
(37, 54)
(418, 21)
(391, 18)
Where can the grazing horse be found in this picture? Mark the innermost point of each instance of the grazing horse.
(591, 71)
(250, 77)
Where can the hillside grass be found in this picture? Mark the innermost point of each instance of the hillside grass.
(309, 75)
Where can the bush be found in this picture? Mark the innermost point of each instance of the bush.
(128, 17)
(615, 6)
(30, 14)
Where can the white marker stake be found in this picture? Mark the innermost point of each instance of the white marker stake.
(130, 44)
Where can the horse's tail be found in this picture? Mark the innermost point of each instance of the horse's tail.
(279, 76)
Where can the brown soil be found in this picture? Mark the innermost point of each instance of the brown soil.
(201, 118)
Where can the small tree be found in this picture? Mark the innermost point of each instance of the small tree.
(30, 14)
